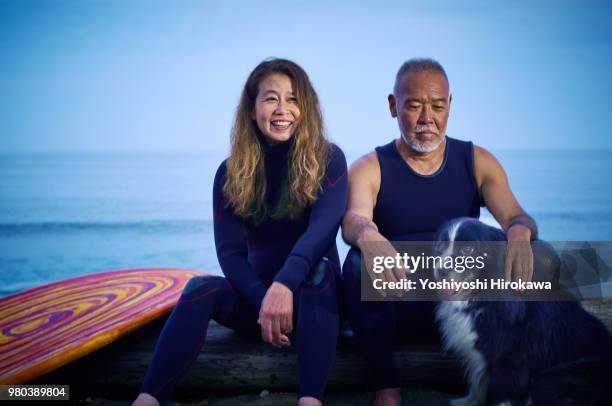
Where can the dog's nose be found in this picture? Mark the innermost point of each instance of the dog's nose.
(467, 250)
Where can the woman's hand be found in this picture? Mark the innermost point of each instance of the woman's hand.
(276, 315)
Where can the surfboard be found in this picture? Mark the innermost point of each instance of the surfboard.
(46, 327)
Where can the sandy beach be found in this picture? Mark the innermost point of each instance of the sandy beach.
(410, 397)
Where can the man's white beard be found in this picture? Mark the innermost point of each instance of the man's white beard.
(423, 149)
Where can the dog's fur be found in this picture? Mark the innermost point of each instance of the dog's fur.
(523, 352)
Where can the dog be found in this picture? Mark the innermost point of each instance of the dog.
(518, 352)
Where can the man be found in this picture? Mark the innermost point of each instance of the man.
(405, 190)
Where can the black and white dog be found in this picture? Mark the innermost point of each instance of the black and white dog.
(522, 352)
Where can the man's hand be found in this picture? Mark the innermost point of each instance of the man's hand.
(501, 202)
(372, 244)
(519, 256)
(276, 315)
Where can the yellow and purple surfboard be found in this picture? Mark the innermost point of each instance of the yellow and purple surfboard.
(46, 327)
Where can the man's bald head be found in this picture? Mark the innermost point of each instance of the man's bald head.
(421, 103)
(417, 65)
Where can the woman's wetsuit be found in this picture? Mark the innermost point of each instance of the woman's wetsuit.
(300, 253)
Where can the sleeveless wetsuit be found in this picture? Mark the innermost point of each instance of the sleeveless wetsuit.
(300, 253)
(409, 207)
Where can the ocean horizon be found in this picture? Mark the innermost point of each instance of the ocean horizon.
(70, 214)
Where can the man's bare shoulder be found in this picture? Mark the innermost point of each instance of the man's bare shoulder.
(366, 165)
(483, 154)
(486, 164)
(484, 157)
(364, 174)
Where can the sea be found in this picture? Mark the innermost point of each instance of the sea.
(69, 214)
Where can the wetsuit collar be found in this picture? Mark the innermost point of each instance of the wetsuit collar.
(281, 149)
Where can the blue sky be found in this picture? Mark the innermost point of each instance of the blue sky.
(118, 76)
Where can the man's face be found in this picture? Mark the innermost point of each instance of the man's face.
(421, 104)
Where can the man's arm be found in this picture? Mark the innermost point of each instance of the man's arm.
(519, 226)
(358, 229)
(495, 190)
(364, 183)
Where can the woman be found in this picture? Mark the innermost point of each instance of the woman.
(278, 201)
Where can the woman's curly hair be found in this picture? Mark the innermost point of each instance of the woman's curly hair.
(245, 184)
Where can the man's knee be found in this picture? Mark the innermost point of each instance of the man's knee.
(546, 261)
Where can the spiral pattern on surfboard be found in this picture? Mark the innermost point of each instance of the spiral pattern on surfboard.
(46, 327)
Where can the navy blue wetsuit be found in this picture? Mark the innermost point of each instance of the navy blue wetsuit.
(300, 253)
(409, 207)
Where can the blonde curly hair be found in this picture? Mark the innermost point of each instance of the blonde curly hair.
(245, 183)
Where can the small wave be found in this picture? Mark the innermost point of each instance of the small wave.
(146, 227)
(572, 215)
(8, 288)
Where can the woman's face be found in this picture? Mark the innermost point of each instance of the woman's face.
(276, 111)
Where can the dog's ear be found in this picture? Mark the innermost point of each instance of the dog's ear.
(514, 311)
(493, 234)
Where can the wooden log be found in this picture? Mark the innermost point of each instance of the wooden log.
(233, 363)
(602, 309)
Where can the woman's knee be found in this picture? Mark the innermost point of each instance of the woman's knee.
(322, 275)
(318, 298)
(202, 285)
